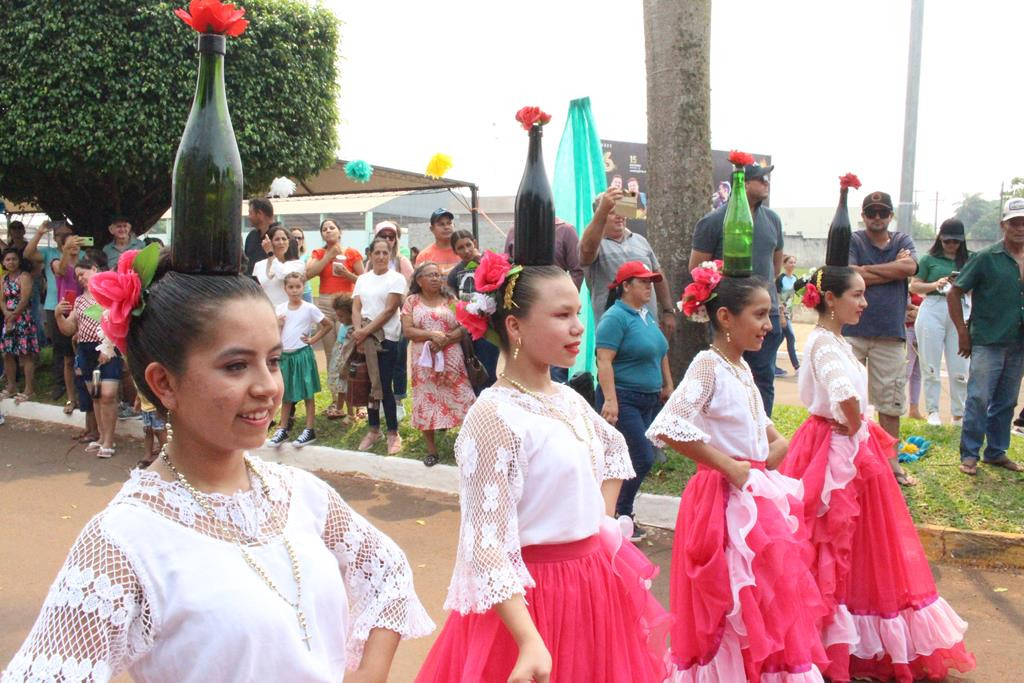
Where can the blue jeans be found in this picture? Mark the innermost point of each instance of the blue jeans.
(762, 364)
(401, 370)
(488, 354)
(790, 337)
(637, 411)
(386, 361)
(991, 397)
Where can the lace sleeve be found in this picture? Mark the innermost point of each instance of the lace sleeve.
(616, 463)
(489, 567)
(827, 366)
(95, 621)
(377, 576)
(675, 421)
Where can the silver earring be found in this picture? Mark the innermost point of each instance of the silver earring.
(728, 337)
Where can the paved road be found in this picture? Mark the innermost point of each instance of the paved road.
(50, 488)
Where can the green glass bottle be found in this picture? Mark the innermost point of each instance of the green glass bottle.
(206, 187)
(738, 230)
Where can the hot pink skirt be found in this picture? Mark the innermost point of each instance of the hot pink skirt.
(592, 607)
(745, 602)
(887, 620)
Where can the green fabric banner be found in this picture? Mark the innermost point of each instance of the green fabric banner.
(579, 179)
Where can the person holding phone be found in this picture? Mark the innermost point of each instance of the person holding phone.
(936, 334)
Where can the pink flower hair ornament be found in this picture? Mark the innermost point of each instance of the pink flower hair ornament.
(121, 294)
(698, 293)
(488, 276)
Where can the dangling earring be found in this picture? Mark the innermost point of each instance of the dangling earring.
(515, 351)
(728, 337)
(832, 313)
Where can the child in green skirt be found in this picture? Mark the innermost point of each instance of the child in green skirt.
(298, 362)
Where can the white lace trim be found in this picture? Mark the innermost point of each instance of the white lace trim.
(910, 634)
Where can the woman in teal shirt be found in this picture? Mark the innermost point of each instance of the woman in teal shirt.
(632, 371)
(936, 334)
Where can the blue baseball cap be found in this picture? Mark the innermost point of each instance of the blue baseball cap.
(439, 214)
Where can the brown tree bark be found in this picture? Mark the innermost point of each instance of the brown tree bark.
(678, 39)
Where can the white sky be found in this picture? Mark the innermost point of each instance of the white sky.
(819, 84)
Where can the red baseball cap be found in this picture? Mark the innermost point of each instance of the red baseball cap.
(632, 269)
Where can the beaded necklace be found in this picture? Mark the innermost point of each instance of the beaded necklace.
(553, 410)
(230, 532)
(744, 377)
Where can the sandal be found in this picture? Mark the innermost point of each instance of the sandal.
(69, 407)
(105, 453)
(6, 393)
(430, 460)
(1006, 464)
(333, 413)
(969, 466)
(21, 397)
(370, 439)
(394, 444)
(93, 446)
(904, 479)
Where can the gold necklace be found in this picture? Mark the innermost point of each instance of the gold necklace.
(744, 377)
(554, 411)
(229, 531)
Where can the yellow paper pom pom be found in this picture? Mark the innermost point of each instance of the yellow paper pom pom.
(439, 165)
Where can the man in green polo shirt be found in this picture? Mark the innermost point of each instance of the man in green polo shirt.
(994, 342)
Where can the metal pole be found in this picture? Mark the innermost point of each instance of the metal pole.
(905, 211)
(474, 213)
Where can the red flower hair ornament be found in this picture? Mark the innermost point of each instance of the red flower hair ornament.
(213, 16)
(532, 116)
(698, 293)
(121, 294)
(812, 295)
(488, 276)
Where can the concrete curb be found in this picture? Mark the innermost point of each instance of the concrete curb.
(987, 549)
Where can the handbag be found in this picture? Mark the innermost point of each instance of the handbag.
(478, 375)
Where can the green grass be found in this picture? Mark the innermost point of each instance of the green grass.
(991, 501)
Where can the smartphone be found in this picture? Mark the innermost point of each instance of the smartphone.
(69, 296)
(86, 241)
(955, 273)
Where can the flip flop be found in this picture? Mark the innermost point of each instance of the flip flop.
(904, 479)
(332, 413)
(969, 467)
(69, 408)
(93, 446)
(21, 397)
(1006, 464)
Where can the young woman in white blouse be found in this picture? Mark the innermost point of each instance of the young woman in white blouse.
(213, 565)
(283, 259)
(540, 590)
(887, 621)
(742, 593)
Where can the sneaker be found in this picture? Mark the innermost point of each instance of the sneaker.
(779, 372)
(639, 532)
(279, 437)
(934, 420)
(307, 437)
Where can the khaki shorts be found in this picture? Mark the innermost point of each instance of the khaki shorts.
(886, 359)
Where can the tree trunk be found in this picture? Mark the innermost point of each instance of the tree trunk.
(678, 38)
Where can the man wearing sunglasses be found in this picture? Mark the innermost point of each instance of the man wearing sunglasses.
(885, 260)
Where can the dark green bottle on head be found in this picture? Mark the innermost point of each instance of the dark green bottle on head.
(738, 230)
(535, 210)
(206, 189)
(837, 251)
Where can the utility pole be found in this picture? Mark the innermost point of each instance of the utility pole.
(905, 211)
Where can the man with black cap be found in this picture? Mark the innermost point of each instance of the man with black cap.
(442, 225)
(885, 260)
(767, 262)
(994, 342)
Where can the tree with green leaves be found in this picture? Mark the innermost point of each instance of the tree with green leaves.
(980, 216)
(95, 94)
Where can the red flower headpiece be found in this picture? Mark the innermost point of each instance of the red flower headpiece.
(121, 293)
(738, 158)
(706, 277)
(212, 16)
(532, 116)
(849, 180)
(488, 276)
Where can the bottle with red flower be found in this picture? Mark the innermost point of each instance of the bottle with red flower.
(738, 228)
(206, 186)
(535, 205)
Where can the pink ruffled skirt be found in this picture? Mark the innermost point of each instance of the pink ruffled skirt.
(745, 601)
(886, 619)
(593, 608)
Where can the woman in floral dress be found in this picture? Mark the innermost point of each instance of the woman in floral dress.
(20, 339)
(441, 390)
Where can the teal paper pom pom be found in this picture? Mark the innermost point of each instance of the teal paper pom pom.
(359, 171)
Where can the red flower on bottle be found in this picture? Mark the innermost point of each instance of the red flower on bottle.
(213, 16)
(491, 271)
(475, 324)
(118, 292)
(849, 180)
(530, 116)
(738, 158)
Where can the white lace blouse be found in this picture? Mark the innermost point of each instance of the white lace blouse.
(152, 586)
(526, 478)
(719, 404)
(832, 376)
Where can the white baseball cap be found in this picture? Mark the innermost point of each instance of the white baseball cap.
(1013, 208)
